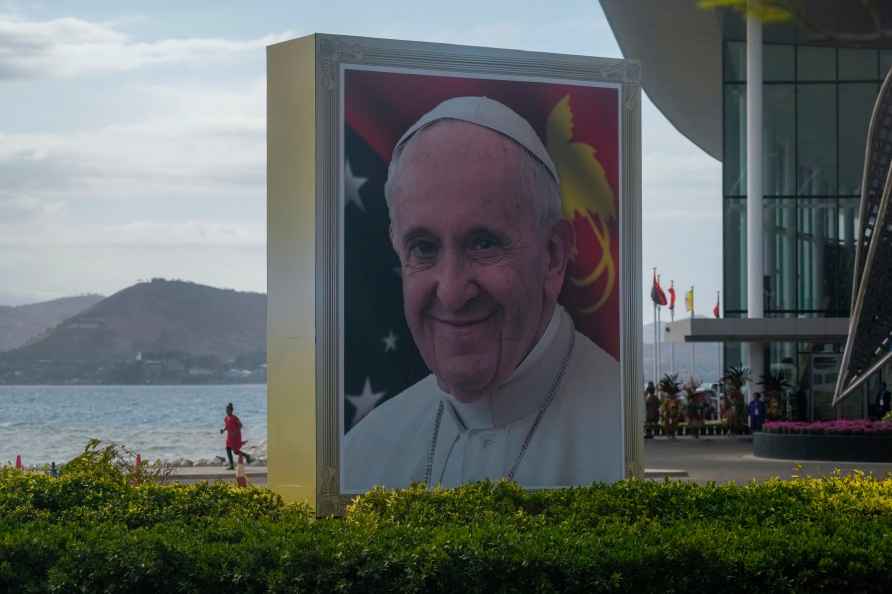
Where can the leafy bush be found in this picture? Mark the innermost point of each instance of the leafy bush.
(115, 462)
(98, 533)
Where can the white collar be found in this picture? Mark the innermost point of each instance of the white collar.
(526, 389)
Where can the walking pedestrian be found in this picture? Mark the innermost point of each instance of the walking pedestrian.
(652, 407)
(757, 413)
(232, 425)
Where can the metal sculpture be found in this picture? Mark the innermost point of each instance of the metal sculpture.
(869, 344)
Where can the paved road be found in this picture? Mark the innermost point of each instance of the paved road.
(193, 474)
(718, 459)
(723, 459)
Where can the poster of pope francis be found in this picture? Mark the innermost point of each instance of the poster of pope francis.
(482, 280)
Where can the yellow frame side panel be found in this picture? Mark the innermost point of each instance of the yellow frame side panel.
(291, 257)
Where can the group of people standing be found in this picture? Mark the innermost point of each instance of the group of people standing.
(666, 413)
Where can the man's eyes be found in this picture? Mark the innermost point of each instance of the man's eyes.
(422, 249)
(479, 246)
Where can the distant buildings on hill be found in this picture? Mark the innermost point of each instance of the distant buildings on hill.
(146, 368)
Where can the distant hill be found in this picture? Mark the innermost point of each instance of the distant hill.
(25, 323)
(156, 316)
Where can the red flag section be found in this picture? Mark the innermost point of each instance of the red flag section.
(579, 124)
(657, 295)
(671, 295)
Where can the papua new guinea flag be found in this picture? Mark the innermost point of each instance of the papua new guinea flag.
(579, 125)
(657, 295)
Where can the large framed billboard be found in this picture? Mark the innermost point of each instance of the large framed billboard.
(453, 269)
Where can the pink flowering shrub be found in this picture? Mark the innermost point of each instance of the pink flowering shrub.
(840, 427)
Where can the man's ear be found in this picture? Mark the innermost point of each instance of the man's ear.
(560, 241)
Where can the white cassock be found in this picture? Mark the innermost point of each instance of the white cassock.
(542, 427)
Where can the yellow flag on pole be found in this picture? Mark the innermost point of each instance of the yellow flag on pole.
(689, 300)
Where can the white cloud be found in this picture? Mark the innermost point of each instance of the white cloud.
(578, 35)
(203, 139)
(70, 47)
(148, 233)
(19, 209)
(192, 233)
(46, 272)
(194, 154)
(682, 209)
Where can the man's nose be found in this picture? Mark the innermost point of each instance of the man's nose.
(456, 285)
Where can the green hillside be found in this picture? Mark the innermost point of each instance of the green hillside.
(22, 324)
(161, 330)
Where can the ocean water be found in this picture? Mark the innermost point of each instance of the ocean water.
(53, 423)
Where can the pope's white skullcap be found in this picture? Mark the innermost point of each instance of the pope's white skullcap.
(488, 113)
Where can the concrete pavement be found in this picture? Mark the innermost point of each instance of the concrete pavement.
(718, 458)
(722, 459)
(194, 474)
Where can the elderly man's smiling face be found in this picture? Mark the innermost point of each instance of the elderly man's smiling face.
(481, 274)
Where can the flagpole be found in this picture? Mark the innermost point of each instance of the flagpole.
(693, 344)
(659, 344)
(655, 343)
(656, 377)
(672, 319)
(718, 300)
(693, 348)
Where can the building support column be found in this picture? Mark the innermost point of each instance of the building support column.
(756, 362)
(754, 258)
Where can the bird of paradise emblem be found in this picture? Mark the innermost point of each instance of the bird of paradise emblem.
(586, 198)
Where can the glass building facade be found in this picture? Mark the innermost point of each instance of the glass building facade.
(817, 103)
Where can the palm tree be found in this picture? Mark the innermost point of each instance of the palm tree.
(694, 408)
(670, 387)
(774, 387)
(735, 379)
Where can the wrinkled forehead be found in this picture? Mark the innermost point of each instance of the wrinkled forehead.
(457, 179)
(453, 157)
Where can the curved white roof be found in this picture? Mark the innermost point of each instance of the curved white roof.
(680, 50)
(679, 46)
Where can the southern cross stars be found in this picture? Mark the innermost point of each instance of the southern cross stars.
(389, 342)
(352, 185)
(366, 401)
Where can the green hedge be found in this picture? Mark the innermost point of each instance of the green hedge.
(85, 533)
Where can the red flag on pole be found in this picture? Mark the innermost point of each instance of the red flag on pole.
(715, 310)
(672, 295)
(657, 295)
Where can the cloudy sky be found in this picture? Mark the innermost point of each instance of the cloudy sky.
(132, 136)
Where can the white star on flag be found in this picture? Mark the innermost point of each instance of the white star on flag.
(352, 185)
(365, 402)
(389, 342)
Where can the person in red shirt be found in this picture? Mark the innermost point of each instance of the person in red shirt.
(233, 428)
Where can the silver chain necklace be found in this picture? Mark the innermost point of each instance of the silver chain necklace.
(552, 391)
